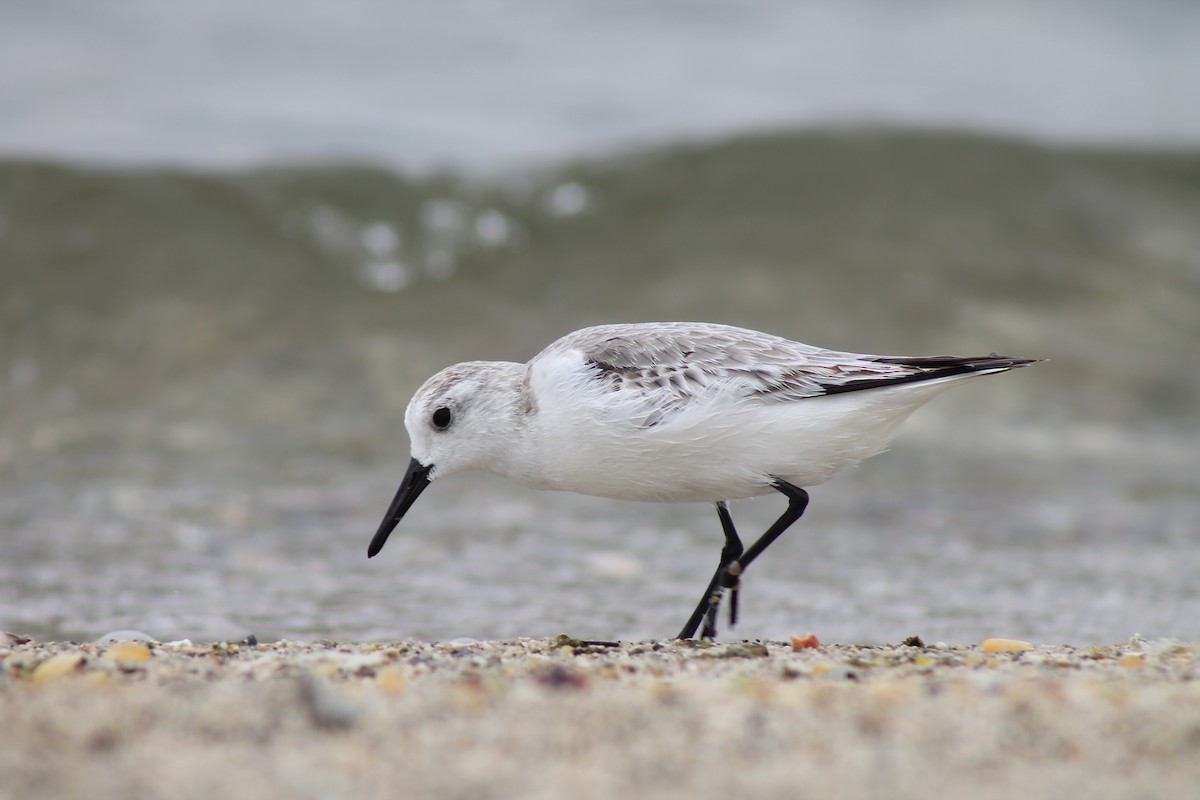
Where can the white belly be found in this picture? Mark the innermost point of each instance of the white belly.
(722, 451)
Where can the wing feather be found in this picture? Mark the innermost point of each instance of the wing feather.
(670, 365)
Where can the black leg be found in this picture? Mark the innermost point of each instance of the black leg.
(730, 570)
(797, 502)
(707, 608)
(727, 526)
(729, 553)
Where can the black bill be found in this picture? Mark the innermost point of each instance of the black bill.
(415, 481)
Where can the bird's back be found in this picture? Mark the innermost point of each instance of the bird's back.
(694, 411)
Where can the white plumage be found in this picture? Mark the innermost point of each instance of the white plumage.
(670, 412)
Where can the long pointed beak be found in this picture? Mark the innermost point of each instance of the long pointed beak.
(415, 481)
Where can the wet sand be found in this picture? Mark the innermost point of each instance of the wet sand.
(560, 717)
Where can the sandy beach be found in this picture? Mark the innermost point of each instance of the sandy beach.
(563, 717)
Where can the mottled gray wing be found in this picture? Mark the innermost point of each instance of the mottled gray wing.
(672, 363)
(688, 358)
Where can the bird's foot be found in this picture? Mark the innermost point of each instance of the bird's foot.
(731, 580)
(709, 632)
(733, 603)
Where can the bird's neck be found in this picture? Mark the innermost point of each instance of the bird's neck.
(508, 448)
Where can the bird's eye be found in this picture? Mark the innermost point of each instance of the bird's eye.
(441, 418)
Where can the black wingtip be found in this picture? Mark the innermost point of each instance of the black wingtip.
(931, 368)
(966, 364)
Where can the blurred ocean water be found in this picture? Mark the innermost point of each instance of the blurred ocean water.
(206, 375)
(487, 85)
(204, 365)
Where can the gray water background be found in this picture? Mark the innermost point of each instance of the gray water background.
(486, 85)
(205, 364)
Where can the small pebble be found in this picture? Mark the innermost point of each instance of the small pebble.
(326, 707)
(996, 645)
(806, 642)
(744, 650)
(391, 680)
(127, 652)
(557, 676)
(57, 666)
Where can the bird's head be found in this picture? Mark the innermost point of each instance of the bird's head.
(456, 421)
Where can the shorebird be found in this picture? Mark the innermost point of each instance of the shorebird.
(672, 412)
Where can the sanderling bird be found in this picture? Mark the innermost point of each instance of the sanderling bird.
(672, 412)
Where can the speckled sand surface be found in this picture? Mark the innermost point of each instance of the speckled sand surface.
(562, 718)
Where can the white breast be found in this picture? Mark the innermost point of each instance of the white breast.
(585, 437)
